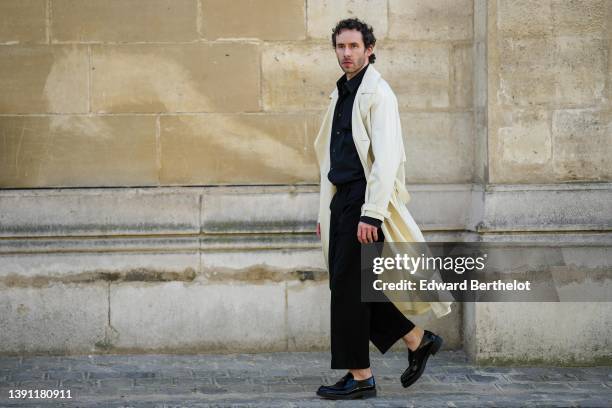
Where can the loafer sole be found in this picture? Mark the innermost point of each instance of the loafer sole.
(406, 379)
(365, 393)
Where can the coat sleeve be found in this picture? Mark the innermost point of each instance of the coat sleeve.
(387, 149)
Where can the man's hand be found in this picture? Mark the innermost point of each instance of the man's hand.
(318, 230)
(366, 233)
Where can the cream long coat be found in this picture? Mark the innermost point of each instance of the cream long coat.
(377, 134)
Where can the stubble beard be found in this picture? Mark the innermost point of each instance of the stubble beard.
(354, 68)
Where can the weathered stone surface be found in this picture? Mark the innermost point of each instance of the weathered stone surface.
(582, 140)
(549, 208)
(263, 19)
(238, 149)
(224, 264)
(39, 270)
(61, 150)
(418, 72)
(323, 15)
(308, 315)
(293, 211)
(524, 145)
(149, 216)
(298, 76)
(581, 71)
(124, 21)
(43, 79)
(440, 20)
(551, 61)
(99, 212)
(524, 149)
(582, 18)
(609, 83)
(61, 319)
(443, 207)
(524, 18)
(222, 317)
(462, 60)
(563, 70)
(496, 339)
(527, 73)
(431, 139)
(23, 21)
(209, 77)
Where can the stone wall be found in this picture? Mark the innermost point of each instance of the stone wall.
(159, 93)
(550, 91)
(159, 186)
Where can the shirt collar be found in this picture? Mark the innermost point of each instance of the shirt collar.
(352, 84)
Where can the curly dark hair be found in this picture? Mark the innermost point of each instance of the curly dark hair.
(367, 32)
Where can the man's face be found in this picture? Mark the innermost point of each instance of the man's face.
(351, 52)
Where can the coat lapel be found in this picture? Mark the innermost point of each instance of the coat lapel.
(360, 116)
(321, 143)
(365, 93)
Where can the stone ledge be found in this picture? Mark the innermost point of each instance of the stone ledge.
(548, 207)
(190, 211)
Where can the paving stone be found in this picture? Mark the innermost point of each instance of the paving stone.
(291, 379)
(485, 378)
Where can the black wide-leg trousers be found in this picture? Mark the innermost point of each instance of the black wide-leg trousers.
(353, 322)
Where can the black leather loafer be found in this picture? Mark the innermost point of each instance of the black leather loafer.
(349, 388)
(417, 359)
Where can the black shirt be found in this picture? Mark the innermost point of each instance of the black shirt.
(345, 164)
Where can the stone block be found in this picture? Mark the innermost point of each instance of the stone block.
(294, 211)
(551, 208)
(298, 76)
(23, 21)
(323, 15)
(205, 77)
(437, 20)
(263, 19)
(225, 317)
(462, 71)
(582, 71)
(59, 319)
(539, 332)
(236, 149)
(124, 21)
(446, 208)
(589, 18)
(70, 151)
(99, 212)
(524, 18)
(526, 71)
(527, 140)
(439, 147)
(566, 70)
(308, 315)
(582, 140)
(418, 73)
(520, 147)
(44, 79)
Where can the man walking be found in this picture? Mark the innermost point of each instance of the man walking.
(361, 154)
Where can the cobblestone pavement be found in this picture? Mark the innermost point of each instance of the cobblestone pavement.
(290, 380)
